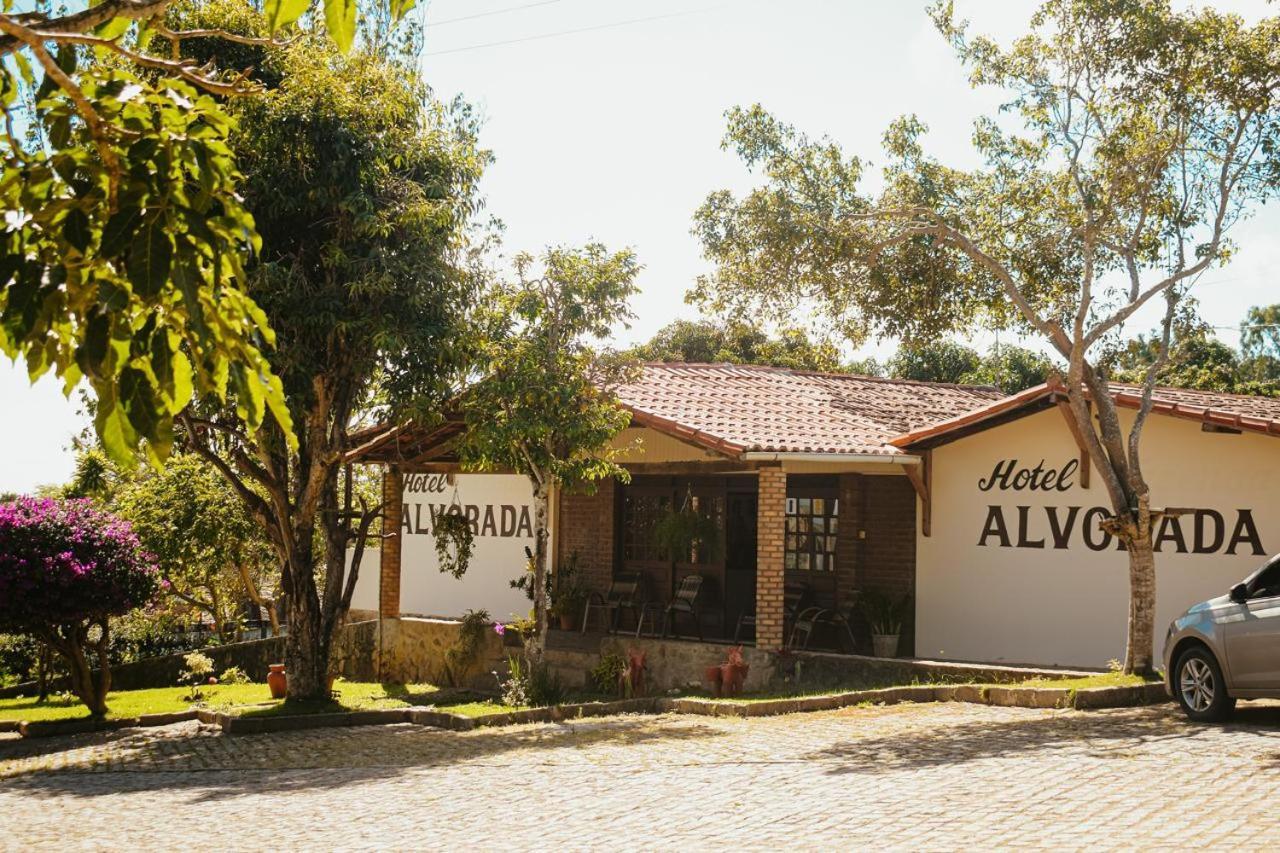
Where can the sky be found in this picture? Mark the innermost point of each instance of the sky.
(606, 116)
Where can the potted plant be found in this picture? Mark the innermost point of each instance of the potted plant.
(684, 531)
(885, 614)
(568, 595)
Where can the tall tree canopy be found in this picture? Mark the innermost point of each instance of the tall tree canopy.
(124, 241)
(362, 186)
(737, 343)
(1135, 137)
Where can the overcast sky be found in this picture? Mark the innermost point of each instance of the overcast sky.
(609, 128)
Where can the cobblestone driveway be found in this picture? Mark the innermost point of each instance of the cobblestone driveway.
(937, 776)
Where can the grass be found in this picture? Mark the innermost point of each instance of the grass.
(1102, 679)
(480, 709)
(248, 699)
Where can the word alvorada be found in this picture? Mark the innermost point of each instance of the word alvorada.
(505, 521)
(1207, 530)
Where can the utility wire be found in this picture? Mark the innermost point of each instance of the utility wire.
(607, 26)
(502, 11)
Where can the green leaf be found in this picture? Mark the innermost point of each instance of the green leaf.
(113, 28)
(282, 13)
(111, 296)
(118, 231)
(340, 18)
(75, 228)
(150, 256)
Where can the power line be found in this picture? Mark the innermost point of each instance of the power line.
(607, 26)
(490, 13)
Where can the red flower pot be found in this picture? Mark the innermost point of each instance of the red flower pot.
(277, 681)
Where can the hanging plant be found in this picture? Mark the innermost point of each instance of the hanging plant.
(454, 543)
(679, 532)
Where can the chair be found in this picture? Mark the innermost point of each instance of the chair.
(794, 597)
(804, 625)
(686, 602)
(844, 616)
(623, 594)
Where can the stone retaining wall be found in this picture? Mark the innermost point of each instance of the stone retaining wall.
(404, 651)
(681, 663)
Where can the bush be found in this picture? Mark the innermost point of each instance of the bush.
(234, 675)
(67, 568)
(607, 673)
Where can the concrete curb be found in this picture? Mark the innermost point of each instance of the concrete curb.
(1089, 698)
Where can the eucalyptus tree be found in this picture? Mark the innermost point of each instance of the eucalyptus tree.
(361, 185)
(1134, 138)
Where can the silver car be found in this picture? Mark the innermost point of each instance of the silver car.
(1227, 648)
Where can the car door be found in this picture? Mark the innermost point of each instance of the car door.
(1253, 637)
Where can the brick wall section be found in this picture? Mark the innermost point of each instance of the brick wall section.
(586, 525)
(392, 507)
(770, 532)
(890, 549)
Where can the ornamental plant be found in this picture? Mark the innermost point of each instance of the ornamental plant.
(66, 568)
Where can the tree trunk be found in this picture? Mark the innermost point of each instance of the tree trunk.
(541, 517)
(1140, 649)
(306, 654)
(90, 690)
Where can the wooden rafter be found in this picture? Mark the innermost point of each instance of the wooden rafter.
(921, 477)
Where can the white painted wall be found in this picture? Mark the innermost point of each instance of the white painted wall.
(500, 507)
(1068, 606)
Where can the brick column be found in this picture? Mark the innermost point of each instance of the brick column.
(770, 533)
(392, 507)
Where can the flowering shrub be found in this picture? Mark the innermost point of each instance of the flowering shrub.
(66, 568)
(65, 562)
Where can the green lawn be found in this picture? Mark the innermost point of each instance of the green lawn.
(1102, 679)
(240, 698)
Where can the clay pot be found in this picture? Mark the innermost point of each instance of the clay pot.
(277, 681)
(884, 645)
(739, 672)
(568, 622)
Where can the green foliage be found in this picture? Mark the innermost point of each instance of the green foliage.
(938, 361)
(1011, 369)
(463, 655)
(885, 612)
(568, 594)
(1196, 359)
(606, 673)
(1260, 333)
(544, 406)
(122, 262)
(234, 675)
(688, 534)
(737, 343)
(203, 539)
(454, 543)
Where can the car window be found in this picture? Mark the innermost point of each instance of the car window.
(1267, 584)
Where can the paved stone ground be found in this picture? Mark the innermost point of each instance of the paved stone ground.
(907, 776)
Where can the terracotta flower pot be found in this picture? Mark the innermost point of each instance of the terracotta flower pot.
(568, 622)
(277, 681)
(715, 676)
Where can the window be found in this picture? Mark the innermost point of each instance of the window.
(640, 513)
(812, 525)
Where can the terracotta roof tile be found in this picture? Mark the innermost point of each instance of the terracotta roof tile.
(749, 408)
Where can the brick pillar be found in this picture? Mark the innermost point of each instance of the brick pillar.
(392, 507)
(770, 533)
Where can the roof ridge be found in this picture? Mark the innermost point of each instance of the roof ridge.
(1199, 391)
(833, 374)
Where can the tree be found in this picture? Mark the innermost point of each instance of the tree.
(66, 569)
(736, 343)
(939, 361)
(544, 406)
(121, 260)
(1144, 136)
(361, 186)
(211, 554)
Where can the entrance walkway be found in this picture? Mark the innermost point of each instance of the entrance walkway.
(946, 775)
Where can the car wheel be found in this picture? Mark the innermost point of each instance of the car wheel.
(1200, 688)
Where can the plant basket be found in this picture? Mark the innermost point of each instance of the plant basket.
(884, 645)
